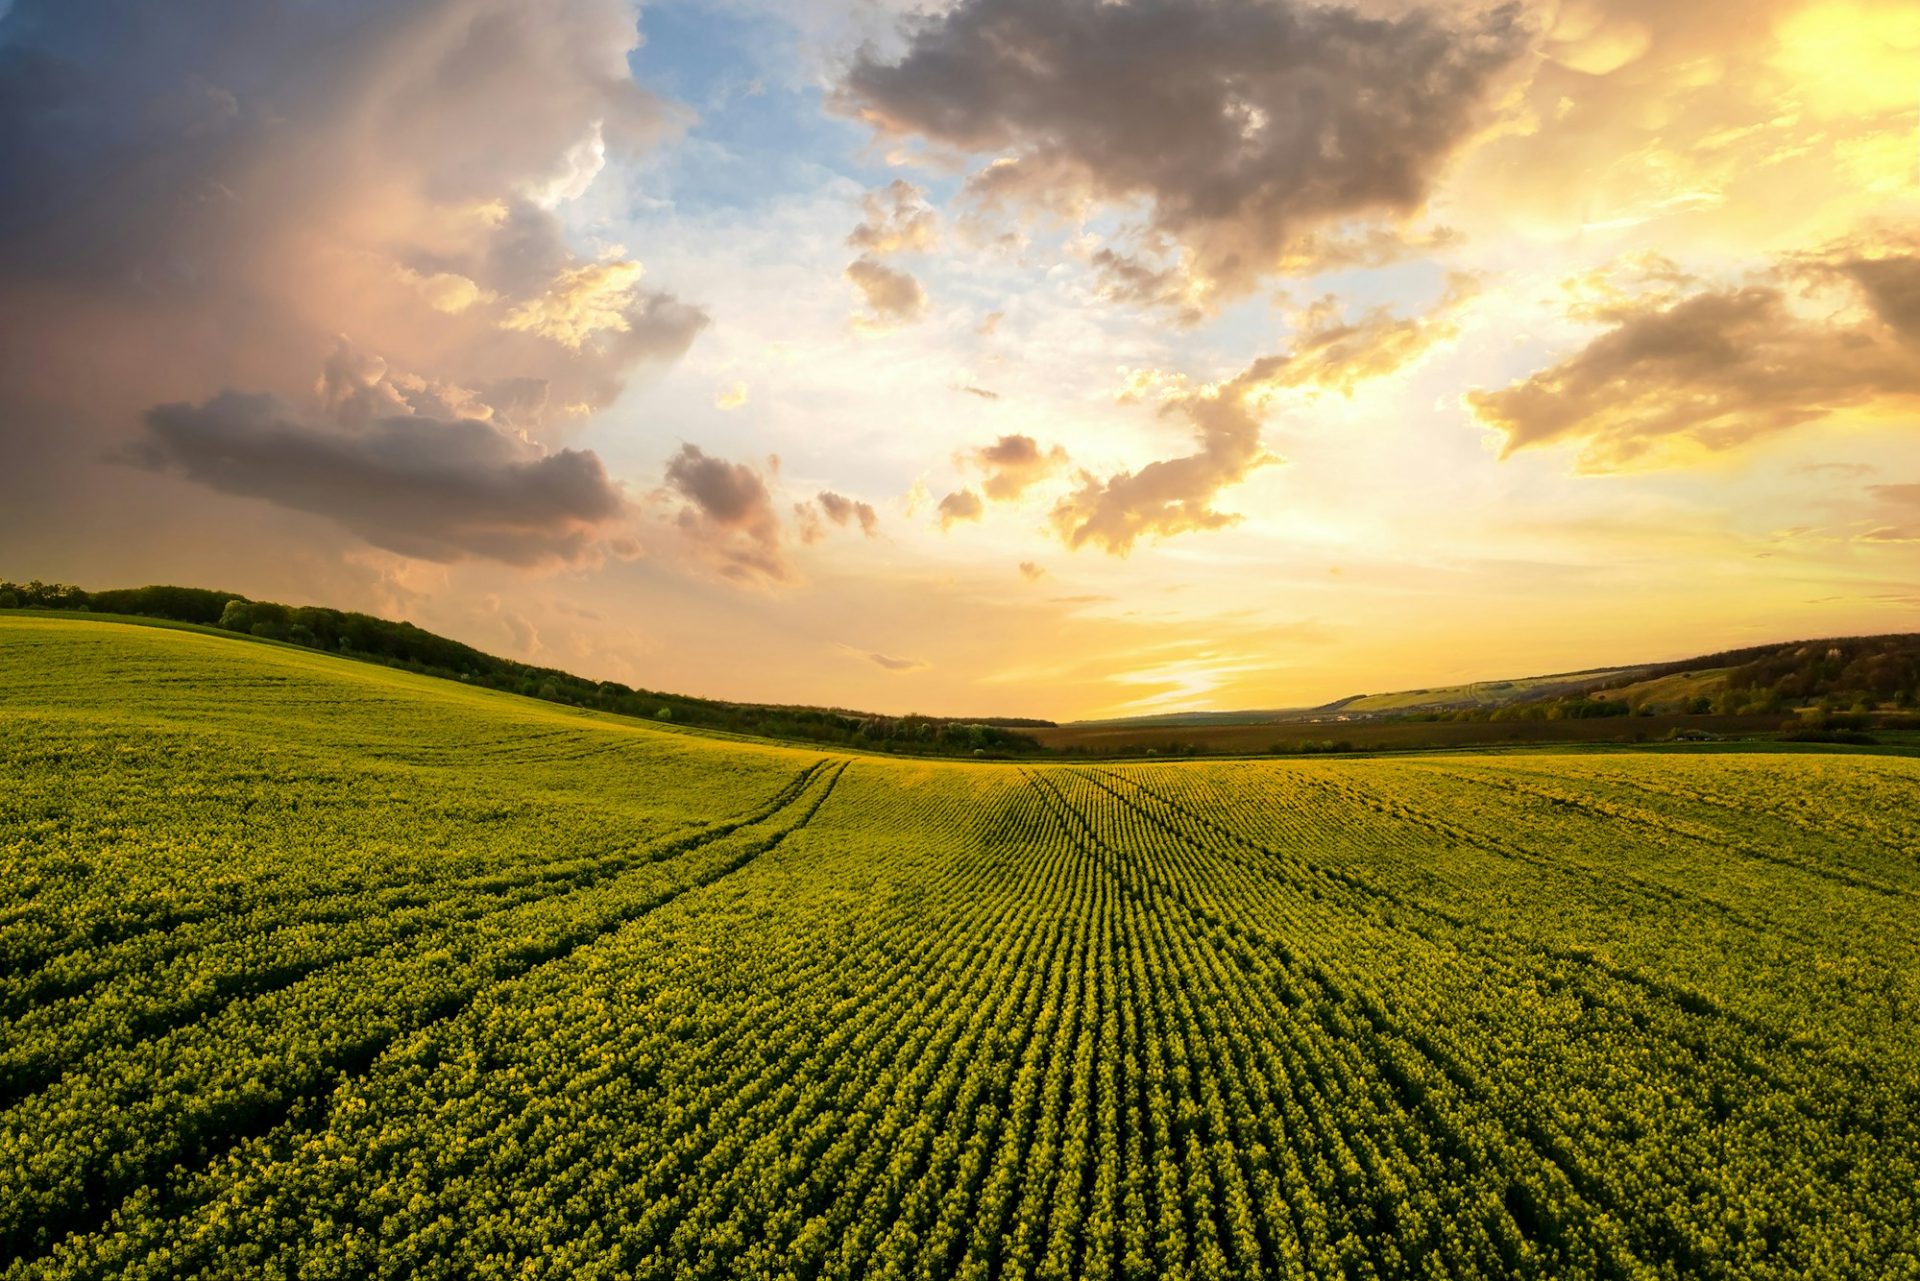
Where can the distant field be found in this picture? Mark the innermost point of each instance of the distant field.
(313, 968)
(1480, 693)
(1392, 735)
(1676, 689)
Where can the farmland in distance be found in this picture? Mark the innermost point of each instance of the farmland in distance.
(312, 968)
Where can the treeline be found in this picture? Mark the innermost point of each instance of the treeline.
(1855, 674)
(402, 645)
(1859, 673)
(1578, 707)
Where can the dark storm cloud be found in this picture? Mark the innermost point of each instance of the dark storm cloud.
(1247, 127)
(439, 489)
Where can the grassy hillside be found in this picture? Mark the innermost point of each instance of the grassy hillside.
(402, 645)
(314, 968)
(1484, 693)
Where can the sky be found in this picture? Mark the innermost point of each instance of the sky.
(1062, 358)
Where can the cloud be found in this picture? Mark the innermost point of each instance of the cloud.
(841, 510)
(445, 291)
(1901, 503)
(892, 296)
(1719, 367)
(729, 515)
(893, 664)
(434, 488)
(1336, 354)
(1245, 128)
(209, 201)
(1891, 283)
(1032, 571)
(582, 303)
(961, 504)
(1898, 495)
(1013, 464)
(898, 220)
(982, 392)
(1176, 495)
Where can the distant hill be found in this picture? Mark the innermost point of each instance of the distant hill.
(1838, 686)
(1854, 689)
(402, 645)
(1842, 674)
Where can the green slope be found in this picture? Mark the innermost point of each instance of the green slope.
(313, 968)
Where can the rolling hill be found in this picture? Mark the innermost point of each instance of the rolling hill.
(1871, 681)
(318, 968)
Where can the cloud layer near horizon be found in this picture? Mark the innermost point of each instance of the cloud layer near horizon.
(434, 488)
(971, 332)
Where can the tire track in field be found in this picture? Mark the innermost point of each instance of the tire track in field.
(1665, 1239)
(20, 1079)
(390, 893)
(1676, 994)
(680, 1136)
(1546, 1146)
(823, 1077)
(26, 1238)
(1609, 878)
(1156, 891)
(1319, 1070)
(1831, 827)
(1640, 820)
(1498, 948)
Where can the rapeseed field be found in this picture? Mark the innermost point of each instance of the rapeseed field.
(316, 969)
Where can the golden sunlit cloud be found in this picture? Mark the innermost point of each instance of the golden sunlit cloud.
(1176, 495)
(580, 303)
(898, 220)
(1030, 386)
(1014, 464)
(1720, 367)
(892, 296)
(960, 506)
(1855, 58)
(446, 291)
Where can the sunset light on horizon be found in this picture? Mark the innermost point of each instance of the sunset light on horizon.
(1052, 358)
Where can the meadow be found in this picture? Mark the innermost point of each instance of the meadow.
(311, 968)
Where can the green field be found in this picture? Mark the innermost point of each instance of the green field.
(316, 969)
(1480, 693)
